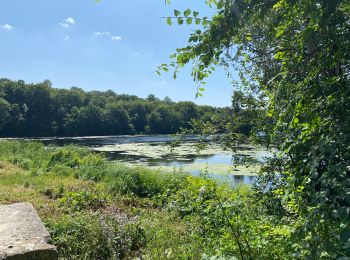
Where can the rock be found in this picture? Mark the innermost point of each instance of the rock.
(23, 235)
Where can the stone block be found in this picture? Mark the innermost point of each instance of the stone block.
(23, 236)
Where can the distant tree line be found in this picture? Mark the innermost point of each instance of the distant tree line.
(41, 110)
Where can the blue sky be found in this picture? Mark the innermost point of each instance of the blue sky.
(113, 45)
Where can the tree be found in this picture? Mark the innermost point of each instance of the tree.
(4, 113)
(41, 110)
(247, 112)
(38, 116)
(295, 55)
(152, 97)
(117, 121)
(154, 122)
(188, 111)
(84, 121)
(167, 100)
(139, 111)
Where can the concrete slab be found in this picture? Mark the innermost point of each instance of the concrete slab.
(23, 235)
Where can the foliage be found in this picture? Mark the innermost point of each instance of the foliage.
(93, 236)
(81, 200)
(128, 212)
(295, 56)
(230, 222)
(41, 110)
(140, 181)
(245, 121)
(27, 155)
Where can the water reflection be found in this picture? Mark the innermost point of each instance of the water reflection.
(95, 141)
(231, 180)
(245, 155)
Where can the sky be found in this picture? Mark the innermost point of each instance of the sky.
(111, 45)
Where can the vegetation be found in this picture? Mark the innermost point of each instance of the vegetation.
(41, 110)
(293, 56)
(95, 209)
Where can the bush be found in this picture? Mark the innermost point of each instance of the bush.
(23, 153)
(77, 201)
(94, 236)
(140, 181)
(69, 156)
(229, 221)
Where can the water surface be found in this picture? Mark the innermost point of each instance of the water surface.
(154, 151)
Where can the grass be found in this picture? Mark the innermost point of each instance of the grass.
(96, 209)
(93, 209)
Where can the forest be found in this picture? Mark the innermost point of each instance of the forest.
(34, 110)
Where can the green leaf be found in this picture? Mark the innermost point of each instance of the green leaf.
(198, 21)
(189, 20)
(278, 5)
(279, 55)
(177, 13)
(187, 12)
(220, 5)
(179, 58)
(295, 120)
(180, 21)
(280, 31)
(195, 14)
(168, 21)
(193, 38)
(249, 38)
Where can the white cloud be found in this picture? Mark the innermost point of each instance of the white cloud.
(102, 34)
(64, 25)
(67, 22)
(66, 38)
(107, 34)
(7, 27)
(116, 38)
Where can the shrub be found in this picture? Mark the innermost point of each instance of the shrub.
(140, 181)
(77, 201)
(53, 192)
(94, 236)
(229, 221)
(64, 156)
(23, 153)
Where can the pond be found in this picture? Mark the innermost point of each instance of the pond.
(154, 151)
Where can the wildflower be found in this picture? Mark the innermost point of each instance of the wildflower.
(202, 190)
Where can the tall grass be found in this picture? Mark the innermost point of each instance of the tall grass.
(97, 209)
